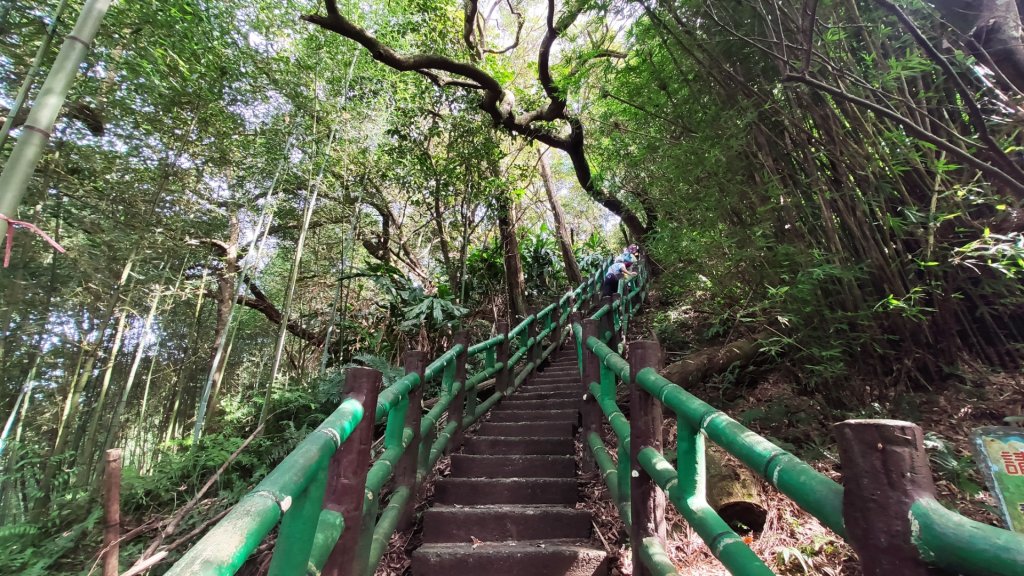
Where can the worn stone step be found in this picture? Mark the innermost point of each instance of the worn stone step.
(528, 429)
(561, 366)
(512, 466)
(516, 403)
(548, 388)
(544, 381)
(562, 395)
(571, 416)
(502, 523)
(523, 558)
(555, 379)
(480, 491)
(560, 369)
(518, 445)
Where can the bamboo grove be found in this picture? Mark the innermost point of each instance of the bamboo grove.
(850, 167)
(253, 195)
(240, 222)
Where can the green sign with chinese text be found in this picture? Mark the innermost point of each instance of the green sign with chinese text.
(1000, 454)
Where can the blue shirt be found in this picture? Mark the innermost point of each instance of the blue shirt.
(617, 270)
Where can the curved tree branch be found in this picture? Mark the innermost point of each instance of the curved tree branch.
(498, 103)
(262, 304)
(520, 21)
(472, 9)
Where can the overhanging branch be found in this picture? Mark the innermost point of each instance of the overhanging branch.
(496, 101)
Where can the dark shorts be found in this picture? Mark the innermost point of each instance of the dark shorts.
(609, 286)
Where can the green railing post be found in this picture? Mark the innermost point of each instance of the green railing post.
(298, 528)
(609, 390)
(447, 388)
(645, 431)
(457, 409)
(574, 319)
(346, 481)
(501, 380)
(589, 408)
(533, 354)
(618, 323)
(556, 334)
(606, 319)
(407, 471)
(885, 471)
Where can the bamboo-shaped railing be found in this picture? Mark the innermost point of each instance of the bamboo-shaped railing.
(887, 511)
(334, 505)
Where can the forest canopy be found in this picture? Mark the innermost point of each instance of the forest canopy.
(254, 195)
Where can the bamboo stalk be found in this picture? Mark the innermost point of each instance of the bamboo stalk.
(21, 164)
(30, 76)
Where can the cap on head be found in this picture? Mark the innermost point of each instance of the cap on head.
(633, 249)
(628, 263)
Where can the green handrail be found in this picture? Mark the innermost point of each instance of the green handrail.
(292, 494)
(259, 511)
(942, 537)
(486, 345)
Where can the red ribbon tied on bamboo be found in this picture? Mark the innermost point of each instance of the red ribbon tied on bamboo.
(12, 224)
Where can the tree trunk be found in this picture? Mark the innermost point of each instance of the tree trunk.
(445, 245)
(514, 280)
(226, 279)
(996, 27)
(572, 268)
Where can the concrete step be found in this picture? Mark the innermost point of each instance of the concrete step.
(518, 445)
(564, 395)
(503, 523)
(529, 429)
(570, 416)
(512, 466)
(555, 379)
(560, 369)
(524, 558)
(548, 388)
(514, 403)
(481, 491)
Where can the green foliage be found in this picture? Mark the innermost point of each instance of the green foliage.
(805, 559)
(959, 470)
(432, 313)
(542, 263)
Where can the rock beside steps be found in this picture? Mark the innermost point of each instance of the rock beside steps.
(509, 506)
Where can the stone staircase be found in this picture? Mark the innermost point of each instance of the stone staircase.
(509, 506)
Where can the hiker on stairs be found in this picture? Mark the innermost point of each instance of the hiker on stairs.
(617, 271)
(629, 254)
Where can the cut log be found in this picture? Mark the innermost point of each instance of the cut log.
(710, 361)
(731, 488)
(732, 492)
